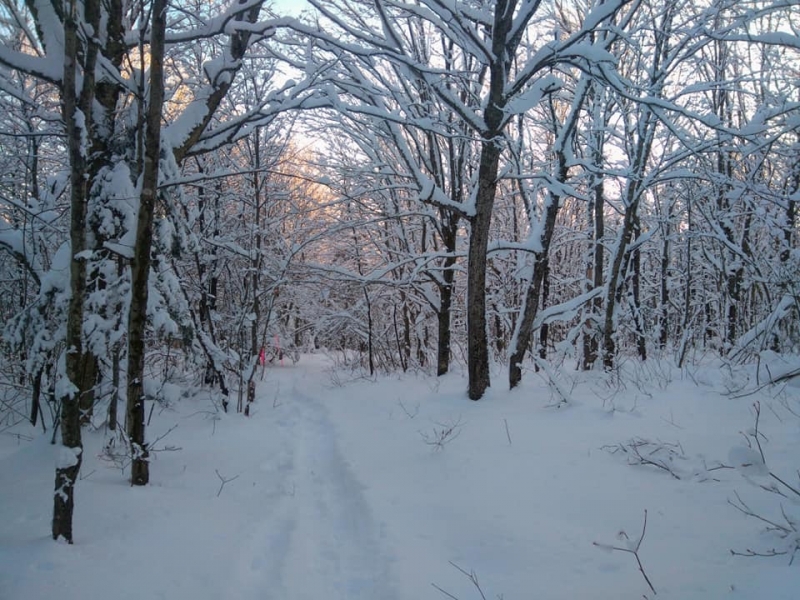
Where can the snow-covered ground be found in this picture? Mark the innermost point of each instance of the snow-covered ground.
(402, 488)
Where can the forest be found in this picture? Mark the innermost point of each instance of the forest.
(195, 191)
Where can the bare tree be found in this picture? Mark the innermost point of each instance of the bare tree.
(509, 81)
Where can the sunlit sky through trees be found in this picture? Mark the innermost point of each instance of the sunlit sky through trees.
(289, 7)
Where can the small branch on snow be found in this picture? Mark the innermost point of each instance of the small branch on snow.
(471, 575)
(224, 481)
(771, 382)
(786, 527)
(645, 452)
(779, 480)
(409, 414)
(634, 551)
(757, 407)
(766, 554)
(787, 532)
(443, 434)
(152, 445)
(746, 510)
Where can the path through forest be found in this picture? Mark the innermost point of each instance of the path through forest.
(320, 540)
(337, 488)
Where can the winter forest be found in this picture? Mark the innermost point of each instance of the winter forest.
(541, 204)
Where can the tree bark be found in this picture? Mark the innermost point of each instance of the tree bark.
(663, 326)
(77, 116)
(140, 265)
(617, 275)
(540, 274)
(541, 260)
(443, 317)
(504, 46)
(477, 339)
(90, 378)
(597, 221)
(636, 260)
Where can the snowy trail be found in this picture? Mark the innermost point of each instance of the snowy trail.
(333, 493)
(319, 540)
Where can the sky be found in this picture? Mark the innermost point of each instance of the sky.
(289, 7)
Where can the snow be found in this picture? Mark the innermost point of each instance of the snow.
(341, 487)
(45, 68)
(67, 457)
(529, 99)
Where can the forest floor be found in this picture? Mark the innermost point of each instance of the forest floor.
(400, 488)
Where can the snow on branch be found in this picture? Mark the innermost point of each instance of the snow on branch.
(765, 326)
(192, 124)
(230, 22)
(46, 68)
(566, 310)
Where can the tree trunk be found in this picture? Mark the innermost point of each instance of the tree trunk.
(370, 350)
(255, 266)
(140, 265)
(544, 330)
(406, 344)
(89, 376)
(619, 264)
(443, 323)
(663, 325)
(597, 220)
(504, 45)
(77, 116)
(106, 96)
(449, 230)
(400, 353)
(36, 397)
(541, 259)
(525, 325)
(113, 404)
(477, 339)
(641, 342)
(616, 275)
(688, 291)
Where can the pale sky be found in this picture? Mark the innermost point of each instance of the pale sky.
(289, 7)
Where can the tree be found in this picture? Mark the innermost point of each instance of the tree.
(76, 108)
(507, 73)
(101, 108)
(140, 264)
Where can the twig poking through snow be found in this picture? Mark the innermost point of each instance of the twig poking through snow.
(224, 481)
(471, 575)
(757, 407)
(409, 414)
(786, 527)
(634, 551)
(443, 434)
(662, 455)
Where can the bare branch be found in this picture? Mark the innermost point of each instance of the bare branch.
(634, 551)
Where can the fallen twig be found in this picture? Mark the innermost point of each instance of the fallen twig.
(224, 481)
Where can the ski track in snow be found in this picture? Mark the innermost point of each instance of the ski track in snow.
(319, 539)
(332, 495)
